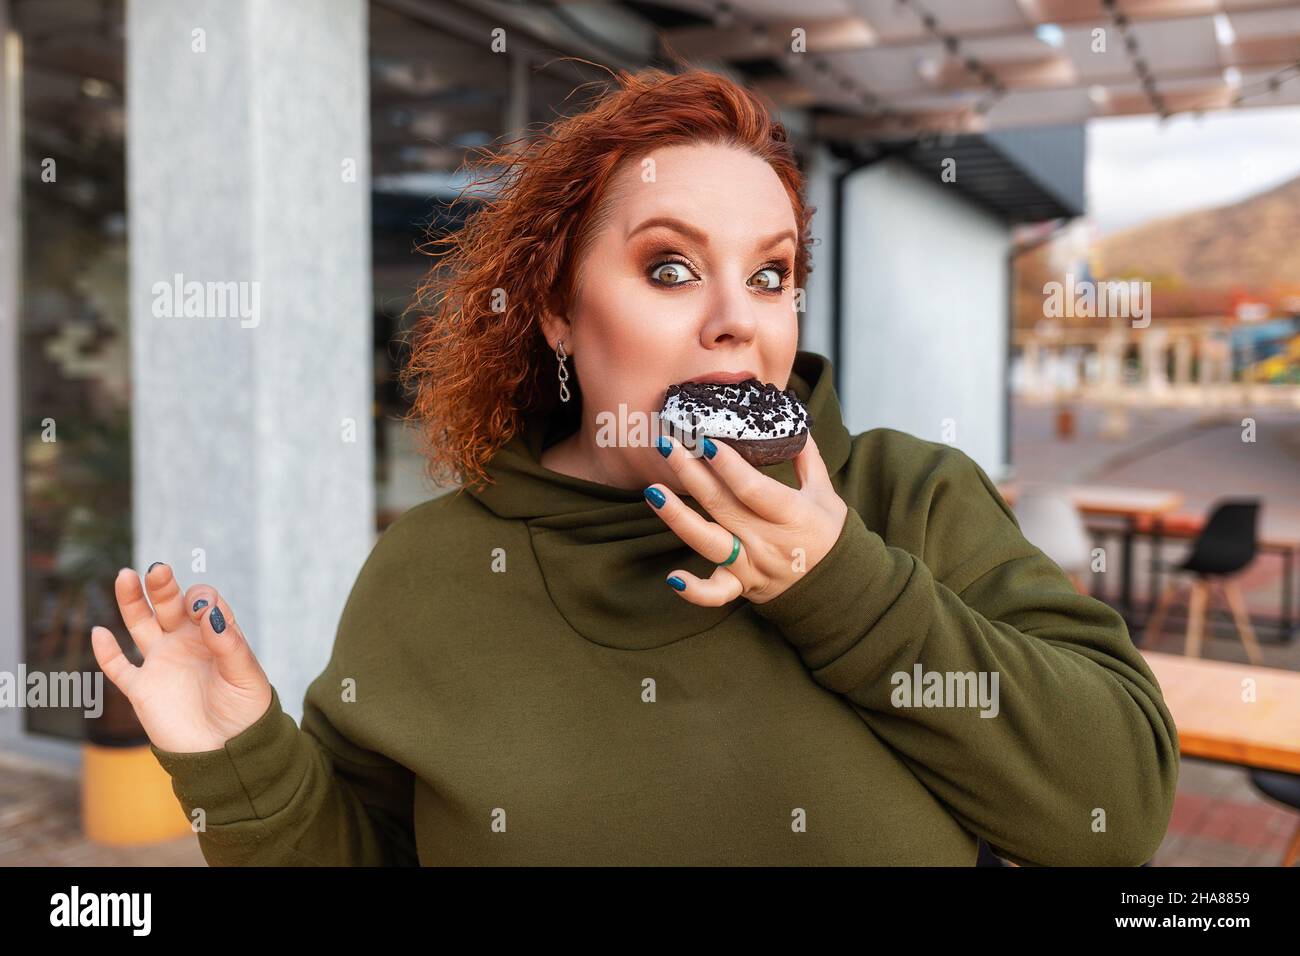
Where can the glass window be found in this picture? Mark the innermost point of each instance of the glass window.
(74, 389)
(433, 97)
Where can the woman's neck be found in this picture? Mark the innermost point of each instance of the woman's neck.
(575, 456)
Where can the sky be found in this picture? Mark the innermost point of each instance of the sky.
(1138, 171)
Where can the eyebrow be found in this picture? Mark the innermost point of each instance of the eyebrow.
(697, 235)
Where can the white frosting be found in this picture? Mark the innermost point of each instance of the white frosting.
(687, 414)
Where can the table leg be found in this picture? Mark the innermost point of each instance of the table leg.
(1288, 596)
(1126, 575)
(1153, 588)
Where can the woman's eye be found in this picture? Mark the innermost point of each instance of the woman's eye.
(670, 273)
(773, 281)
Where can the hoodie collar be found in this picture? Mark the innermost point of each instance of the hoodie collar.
(604, 554)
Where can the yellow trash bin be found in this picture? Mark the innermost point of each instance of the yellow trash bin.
(127, 798)
(126, 795)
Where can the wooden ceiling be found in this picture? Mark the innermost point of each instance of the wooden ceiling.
(885, 68)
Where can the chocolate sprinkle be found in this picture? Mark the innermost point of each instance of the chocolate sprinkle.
(748, 410)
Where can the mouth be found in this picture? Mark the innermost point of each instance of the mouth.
(721, 378)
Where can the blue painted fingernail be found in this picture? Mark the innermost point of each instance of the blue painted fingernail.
(152, 566)
(710, 449)
(200, 603)
(217, 620)
(664, 445)
(655, 496)
(677, 583)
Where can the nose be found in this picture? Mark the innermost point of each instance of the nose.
(731, 319)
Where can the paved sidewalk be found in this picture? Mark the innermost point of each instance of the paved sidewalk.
(1220, 820)
(40, 825)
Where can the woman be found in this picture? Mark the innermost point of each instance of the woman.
(608, 649)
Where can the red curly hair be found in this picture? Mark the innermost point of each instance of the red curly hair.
(479, 362)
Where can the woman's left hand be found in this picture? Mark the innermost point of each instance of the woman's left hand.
(784, 532)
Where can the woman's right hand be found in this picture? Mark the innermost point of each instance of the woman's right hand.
(200, 684)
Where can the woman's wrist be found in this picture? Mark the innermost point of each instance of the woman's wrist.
(838, 597)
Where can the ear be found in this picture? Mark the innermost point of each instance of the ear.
(556, 327)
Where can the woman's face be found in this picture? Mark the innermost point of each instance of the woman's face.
(690, 278)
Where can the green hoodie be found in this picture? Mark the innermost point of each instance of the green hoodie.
(512, 682)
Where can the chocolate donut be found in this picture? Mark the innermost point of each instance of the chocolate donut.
(762, 422)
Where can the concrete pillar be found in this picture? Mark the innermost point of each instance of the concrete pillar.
(12, 629)
(817, 322)
(1078, 371)
(1091, 365)
(1154, 343)
(1114, 421)
(1183, 360)
(1033, 359)
(249, 206)
(1111, 352)
(1055, 361)
(1207, 367)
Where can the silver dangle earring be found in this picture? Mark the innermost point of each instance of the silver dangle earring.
(563, 372)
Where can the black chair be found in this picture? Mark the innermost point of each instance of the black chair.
(1227, 544)
(986, 857)
(1284, 788)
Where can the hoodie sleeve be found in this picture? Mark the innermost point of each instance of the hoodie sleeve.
(278, 795)
(322, 794)
(1075, 760)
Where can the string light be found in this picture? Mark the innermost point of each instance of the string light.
(1140, 66)
(726, 14)
(1270, 85)
(995, 90)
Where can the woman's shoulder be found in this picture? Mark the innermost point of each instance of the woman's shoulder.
(448, 511)
(933, 499)
(886, 463)
(427, 534)
(901, 456)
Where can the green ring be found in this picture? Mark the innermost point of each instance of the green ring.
(735, 552)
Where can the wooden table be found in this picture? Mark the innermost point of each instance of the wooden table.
(1131, 504)
(1205, 699)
